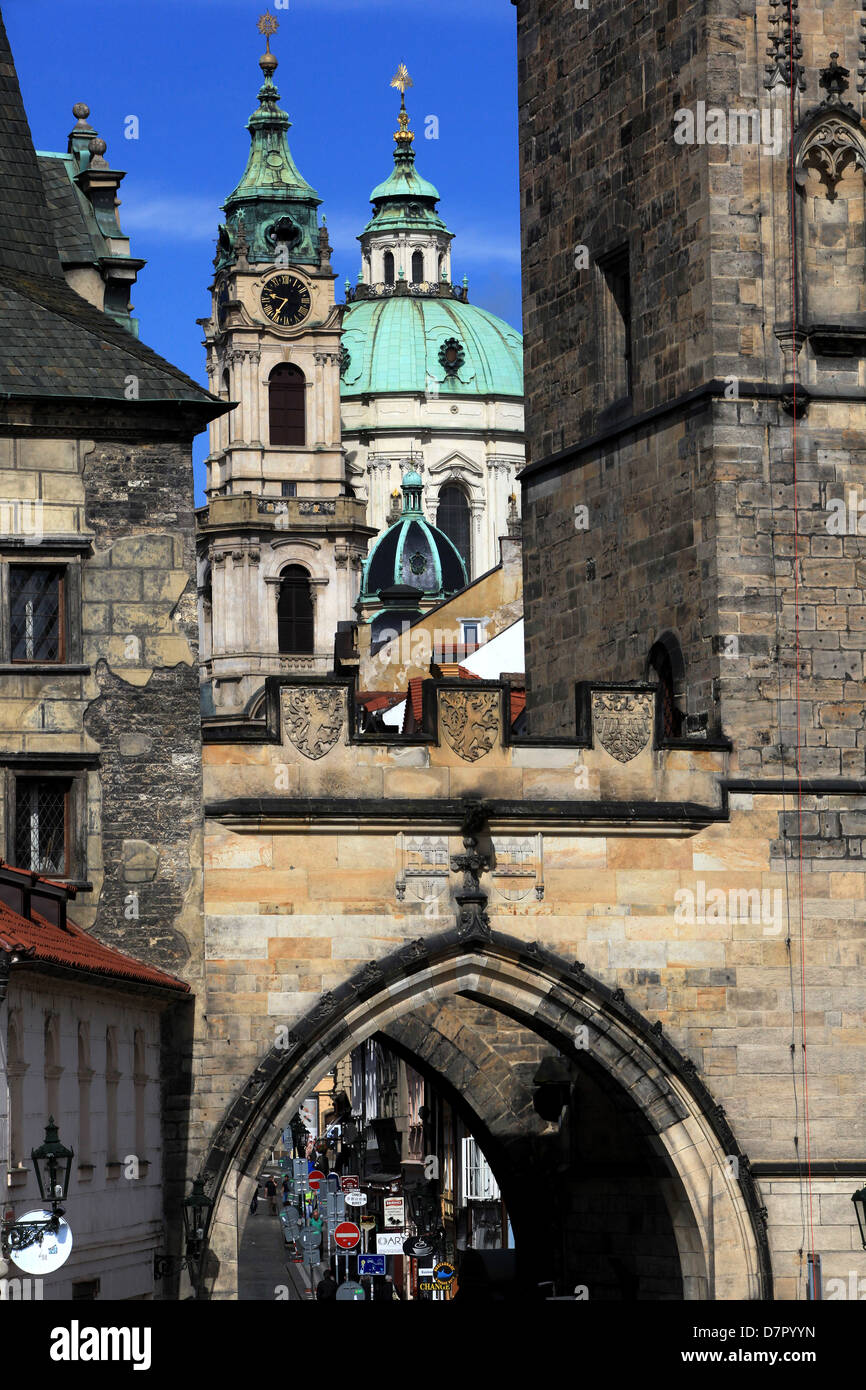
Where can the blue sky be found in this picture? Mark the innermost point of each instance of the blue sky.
(188, 69)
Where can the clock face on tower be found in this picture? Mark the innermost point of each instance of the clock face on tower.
(285, 300)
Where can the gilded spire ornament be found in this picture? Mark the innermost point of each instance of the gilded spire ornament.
(268, 25)
(401, 80)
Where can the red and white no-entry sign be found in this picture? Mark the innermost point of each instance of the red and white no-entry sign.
(347, 1235)
(315, 1179)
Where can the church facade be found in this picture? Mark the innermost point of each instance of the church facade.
(332, 405)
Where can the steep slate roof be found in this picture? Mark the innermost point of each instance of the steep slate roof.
(72, 235)
(52, 342)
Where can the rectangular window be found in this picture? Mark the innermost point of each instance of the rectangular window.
(616, 324)
(288, 489)
(479, 1184)
(42, 825)
(470, 634)
(37, 614)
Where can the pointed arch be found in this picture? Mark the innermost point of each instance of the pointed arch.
(713, 1202)
(666, 669)
(830, 208)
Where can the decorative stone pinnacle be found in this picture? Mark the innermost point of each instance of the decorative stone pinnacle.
(81, 111)
(834, 80)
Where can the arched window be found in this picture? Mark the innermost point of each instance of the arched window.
(15, 1069)
(417, 267)
(287, 407)
(85, 1074)
(139, 1080)
(663, 658)
(389, 268)
(441, 267)
(452, 517)
(226, 386)
(831, 208)
(295, 612)
(53, 1069)
(112, 1079)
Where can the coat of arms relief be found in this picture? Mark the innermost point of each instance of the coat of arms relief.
(470, 721)
(313, 718)
(622, 721)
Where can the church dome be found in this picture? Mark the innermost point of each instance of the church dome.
(410, 343)
(413, 555)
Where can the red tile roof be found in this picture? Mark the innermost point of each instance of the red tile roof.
(69, 945)
(518, 703)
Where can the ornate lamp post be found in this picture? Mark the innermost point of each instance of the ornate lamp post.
(52, 1163)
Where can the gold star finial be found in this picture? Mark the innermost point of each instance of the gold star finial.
(268, 25)
(401, 80)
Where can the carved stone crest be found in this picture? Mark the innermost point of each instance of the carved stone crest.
(425, 866)
(313, 719)
(622, 722)
(516, 870)
(470, 721)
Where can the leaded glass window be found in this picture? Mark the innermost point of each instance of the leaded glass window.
(36, 603)
(41, 815)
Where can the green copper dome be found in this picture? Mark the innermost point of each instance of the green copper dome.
(413, 554)
(411, 343)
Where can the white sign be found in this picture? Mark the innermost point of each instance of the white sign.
(48, 1254)
(395, 1213)
(391, 1243)
(356, 1199)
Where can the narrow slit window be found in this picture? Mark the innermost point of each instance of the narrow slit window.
(616, 324)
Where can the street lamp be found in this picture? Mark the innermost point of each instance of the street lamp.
(859, 1200)
(196, 1210)
(52, 1163)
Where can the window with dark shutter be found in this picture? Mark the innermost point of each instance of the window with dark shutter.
(287, 405)
(295, 613)
(417, 267)
(452, 517)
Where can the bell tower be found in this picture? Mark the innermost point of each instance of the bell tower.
(281, 539)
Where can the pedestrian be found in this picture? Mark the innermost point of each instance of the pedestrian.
(254, 1204)
(327, 1287)
(287, 1190)
(271, 1191)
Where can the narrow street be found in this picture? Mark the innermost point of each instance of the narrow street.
(265, 1275)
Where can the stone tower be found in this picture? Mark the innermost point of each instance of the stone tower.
(694, 371)
(281, 542)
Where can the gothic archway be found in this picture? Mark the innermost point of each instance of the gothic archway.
(712, 1201)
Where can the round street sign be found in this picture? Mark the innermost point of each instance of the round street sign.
(350, 1292)
(356, 1199)
(315, 1178)
(347, 1235)
(443, 1272)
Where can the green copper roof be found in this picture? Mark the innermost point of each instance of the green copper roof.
(404, 199)
(273, 197)
(413, 553)
(397, 344)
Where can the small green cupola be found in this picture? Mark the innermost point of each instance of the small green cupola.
(413, 554)
(273, 205)
(405, 200)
